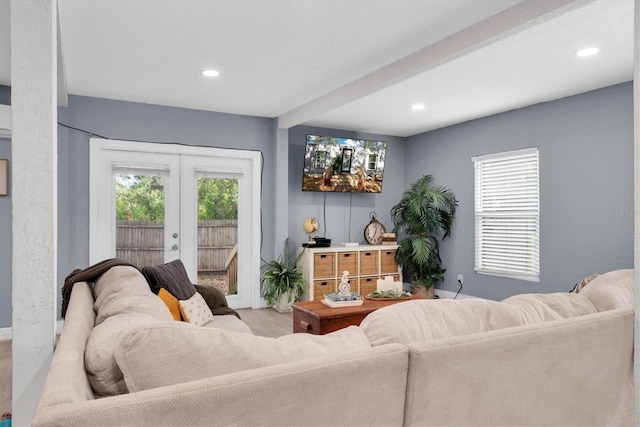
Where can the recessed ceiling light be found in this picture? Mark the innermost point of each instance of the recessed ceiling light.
(211, 73)
(417, 107)
(588, 51)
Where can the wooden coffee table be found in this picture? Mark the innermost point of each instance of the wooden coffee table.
(314, 317)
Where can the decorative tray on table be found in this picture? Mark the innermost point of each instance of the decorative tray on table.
(388, 295)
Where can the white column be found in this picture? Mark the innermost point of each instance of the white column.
(281, 230)
(34, 195)
(636, 191)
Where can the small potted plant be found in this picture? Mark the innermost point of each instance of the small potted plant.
(282, 282)
(423, 216)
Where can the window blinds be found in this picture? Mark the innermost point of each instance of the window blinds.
(507, 214)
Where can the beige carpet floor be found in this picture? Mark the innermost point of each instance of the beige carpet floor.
(266, 323)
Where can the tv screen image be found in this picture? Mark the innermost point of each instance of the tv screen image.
(343, 164)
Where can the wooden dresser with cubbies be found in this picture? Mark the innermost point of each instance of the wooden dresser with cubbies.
(322, 268)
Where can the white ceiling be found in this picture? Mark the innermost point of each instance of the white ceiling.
(345, 64)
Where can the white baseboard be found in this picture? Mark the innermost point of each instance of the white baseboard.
(450, 295)
(7, 333)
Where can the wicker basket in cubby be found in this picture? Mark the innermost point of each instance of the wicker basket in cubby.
(347, 261)
(368, 285)
(324, 265)
(369, 262)
(388, 264)
(321, 287)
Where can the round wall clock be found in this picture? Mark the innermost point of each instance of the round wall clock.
(374, 231)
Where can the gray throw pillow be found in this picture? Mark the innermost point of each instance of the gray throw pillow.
(173, 277)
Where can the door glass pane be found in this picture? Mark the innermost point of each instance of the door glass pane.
(140, 219)
(218, 233)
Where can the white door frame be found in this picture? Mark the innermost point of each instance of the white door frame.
(249, 233)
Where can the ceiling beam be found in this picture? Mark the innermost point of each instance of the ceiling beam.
(507, 23)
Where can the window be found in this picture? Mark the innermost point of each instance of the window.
(321, 159)
(507, 214)
(373, 162)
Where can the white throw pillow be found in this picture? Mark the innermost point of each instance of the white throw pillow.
(169, 353)
(195, 310)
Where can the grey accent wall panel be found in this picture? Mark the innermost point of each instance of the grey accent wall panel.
(346, 213)
(586, 186)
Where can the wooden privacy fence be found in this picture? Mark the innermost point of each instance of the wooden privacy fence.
(142, 243)
(232, 271)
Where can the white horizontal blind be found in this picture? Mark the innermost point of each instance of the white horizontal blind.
(507, 214)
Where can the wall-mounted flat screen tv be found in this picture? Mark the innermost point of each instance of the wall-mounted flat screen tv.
(343, 164)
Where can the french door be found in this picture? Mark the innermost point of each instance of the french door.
(154, 203)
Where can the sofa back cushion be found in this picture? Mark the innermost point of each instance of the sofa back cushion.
(537, 308)
(169, 353)
(103, 372)
(421, 320)
(123, 290)
(123, 299)
(611, 290)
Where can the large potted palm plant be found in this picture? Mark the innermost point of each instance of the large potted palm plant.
(422, 218)
(282, 281)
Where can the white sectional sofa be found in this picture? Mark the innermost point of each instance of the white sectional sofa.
(556, 359)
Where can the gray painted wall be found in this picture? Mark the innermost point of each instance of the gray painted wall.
(586, 186)
(6, 239)
(305, 204)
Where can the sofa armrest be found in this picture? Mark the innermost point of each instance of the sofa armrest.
(67, 378)
(361, 388)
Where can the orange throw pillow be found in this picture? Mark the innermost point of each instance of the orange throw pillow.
(171, 302)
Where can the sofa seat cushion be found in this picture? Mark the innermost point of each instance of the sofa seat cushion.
(537, 308)
(421, 320)
(168, 353)
(122, 299)
(229, 322)
(123, 290)
(611, 290)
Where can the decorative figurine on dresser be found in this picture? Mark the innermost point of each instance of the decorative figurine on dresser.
(344, 297)
(344, 287)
